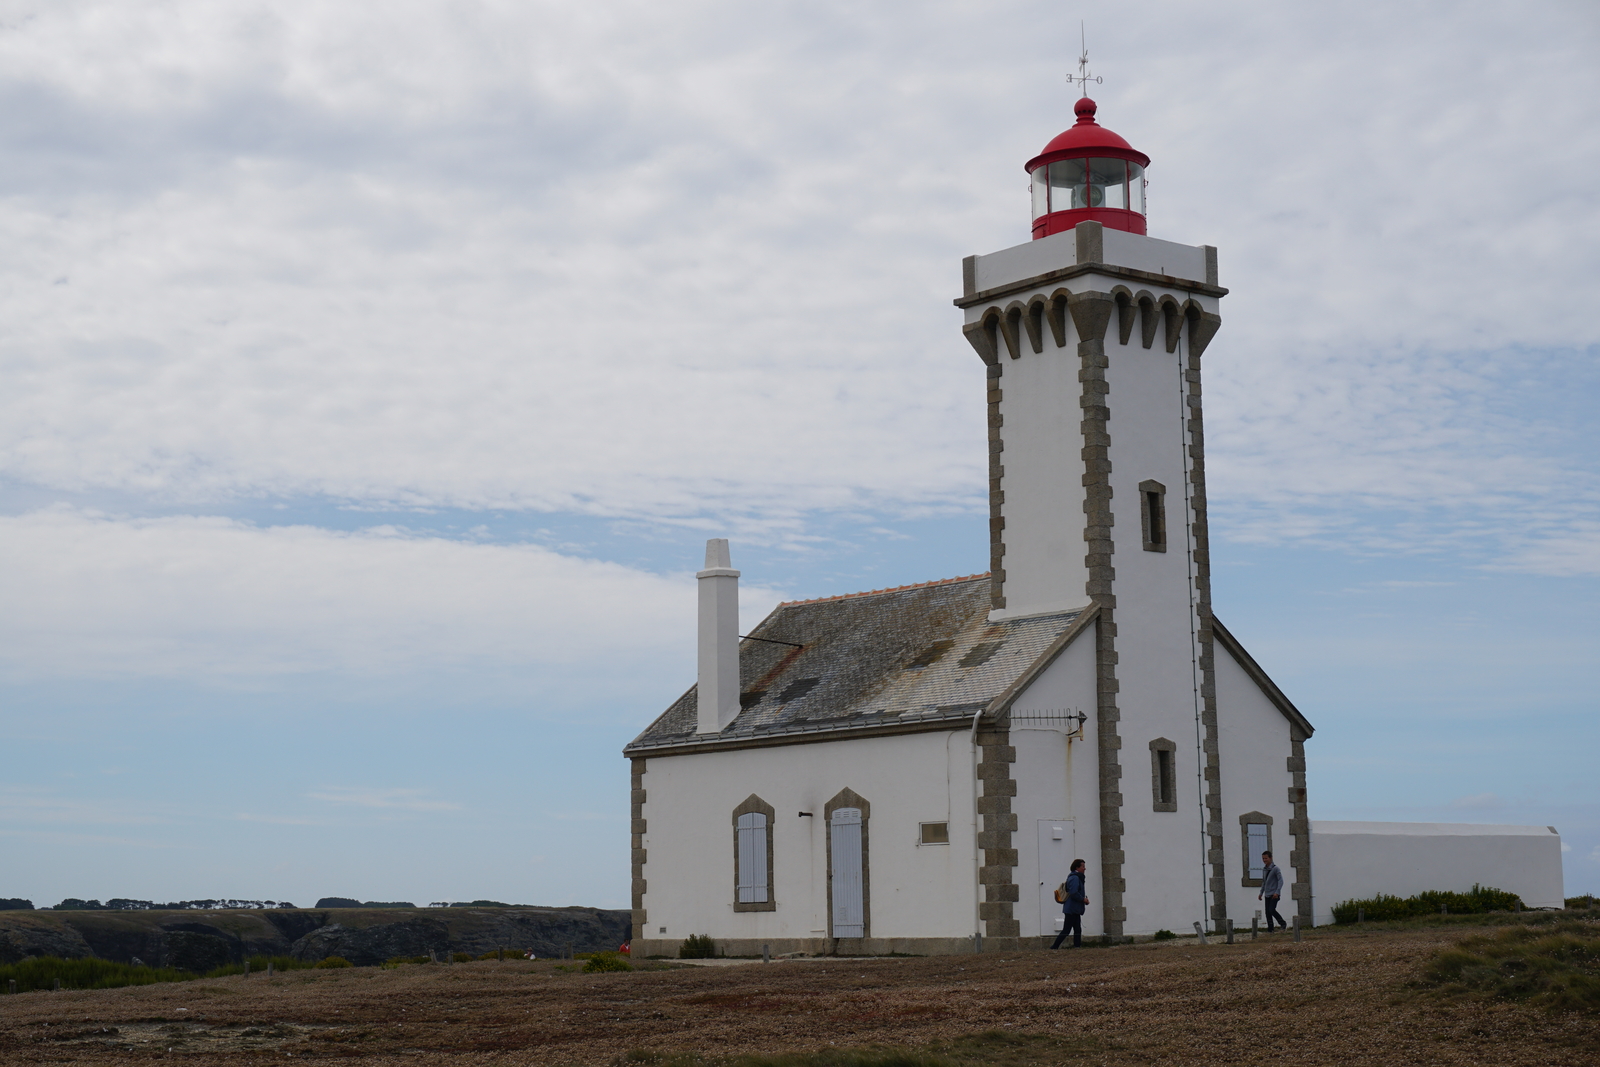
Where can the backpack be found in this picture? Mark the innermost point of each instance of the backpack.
(1061, 893)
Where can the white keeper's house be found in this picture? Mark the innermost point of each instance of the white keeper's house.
(913, 769)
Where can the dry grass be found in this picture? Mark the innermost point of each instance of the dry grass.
(1555, 967)
(1345, 997)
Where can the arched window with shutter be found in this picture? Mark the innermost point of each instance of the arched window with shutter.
(752, 856)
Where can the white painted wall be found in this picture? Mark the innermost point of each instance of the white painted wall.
(1026, 260)
(916, 890)
(1165, 851)
(1060, 250)
(1253, 751)
(1357, 860)
(1058, 779)
(1155, 255)
(1043, 507)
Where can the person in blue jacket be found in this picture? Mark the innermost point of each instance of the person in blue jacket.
(1073, 906)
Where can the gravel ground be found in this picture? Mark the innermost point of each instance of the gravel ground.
(1337, 998)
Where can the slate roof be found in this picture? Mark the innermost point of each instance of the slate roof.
(916, 654)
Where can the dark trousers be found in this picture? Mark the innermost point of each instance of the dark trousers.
(1272, 913)
(1073, 926)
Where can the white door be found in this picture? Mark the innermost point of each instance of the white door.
(1055, 859)
(849, 916)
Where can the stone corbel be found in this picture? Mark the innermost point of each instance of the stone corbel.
(1203, 326)
(1173, 317)
(1038, 308)
(1008, 321)
(1125, 313)
(1057, 315)
(980, 335)
(1091, 314)
(1149, 317)
(1017, 322)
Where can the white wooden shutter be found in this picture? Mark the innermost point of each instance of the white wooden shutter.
(752, 858)
(1257, 834)
(849, 914)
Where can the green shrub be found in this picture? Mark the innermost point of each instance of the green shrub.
(697, 947)
(340, 961)
(1479, 900)
(606, 961)
(1554, 967)
(1164, 935)
(258, 965)
(395, 961)
(41, 972)
(461, 957)
(1584, 902)
(510, 954)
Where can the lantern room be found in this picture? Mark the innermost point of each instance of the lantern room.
(1087, 174)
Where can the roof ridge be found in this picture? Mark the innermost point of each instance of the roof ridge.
(888, 589)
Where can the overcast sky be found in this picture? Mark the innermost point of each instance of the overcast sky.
(370, 376)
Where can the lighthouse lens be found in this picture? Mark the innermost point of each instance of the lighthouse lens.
(1108, 183)
(1067, 186)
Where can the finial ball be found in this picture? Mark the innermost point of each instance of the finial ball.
(1084, 108)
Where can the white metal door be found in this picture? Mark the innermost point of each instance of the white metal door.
(849, 916)
(1056, 848)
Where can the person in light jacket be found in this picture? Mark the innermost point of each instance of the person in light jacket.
(1271, 890)
(1073, 906)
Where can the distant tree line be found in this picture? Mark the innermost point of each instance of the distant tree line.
(125, 904)
(348, 902)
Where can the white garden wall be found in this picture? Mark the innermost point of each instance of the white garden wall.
(1356, 860)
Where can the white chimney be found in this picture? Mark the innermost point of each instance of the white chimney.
(719, 639)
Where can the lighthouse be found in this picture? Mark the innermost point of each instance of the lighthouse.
(1093, 335)
(915, 769)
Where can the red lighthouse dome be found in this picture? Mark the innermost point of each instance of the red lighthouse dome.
(1087, 174)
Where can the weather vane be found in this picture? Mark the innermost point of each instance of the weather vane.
(1084, 78)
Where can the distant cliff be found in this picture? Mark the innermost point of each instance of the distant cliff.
(201, 940)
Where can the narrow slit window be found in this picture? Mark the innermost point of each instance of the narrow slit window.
(1153, 512)
(935, 833)
(1163, 775)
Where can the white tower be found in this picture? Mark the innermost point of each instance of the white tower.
(1092, 334)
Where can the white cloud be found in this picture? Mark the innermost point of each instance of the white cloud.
(35, 806)
(96, 596)
(669, 261)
